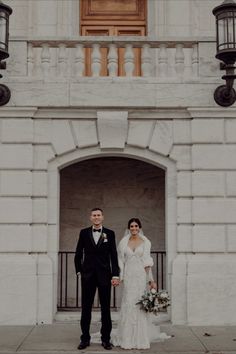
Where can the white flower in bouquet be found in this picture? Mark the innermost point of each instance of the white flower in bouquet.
(163, 299)
(163, 295)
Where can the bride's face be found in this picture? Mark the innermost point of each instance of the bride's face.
(134, 229)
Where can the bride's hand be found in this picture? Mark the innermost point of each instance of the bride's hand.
(153, 285)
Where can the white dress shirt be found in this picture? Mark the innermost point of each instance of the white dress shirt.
(96, 235)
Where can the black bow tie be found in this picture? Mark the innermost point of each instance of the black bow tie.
(97, 230)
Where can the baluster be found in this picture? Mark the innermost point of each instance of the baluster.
(163, 60)
(30, 59)
(113, 60)
(129, 60)
(146, 60)
(195, 59)
(179, 59)
(96, 60)
(79, 60)
(62, 60)
(188, 64)
(45, 60)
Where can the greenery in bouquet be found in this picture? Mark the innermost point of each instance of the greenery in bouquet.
(154, 301)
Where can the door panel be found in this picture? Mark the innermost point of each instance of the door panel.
(113, 11)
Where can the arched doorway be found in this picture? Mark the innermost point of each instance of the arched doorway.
(123, 187)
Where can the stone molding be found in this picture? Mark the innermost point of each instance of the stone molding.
(133, 113)
(213, 113)
(18, 112)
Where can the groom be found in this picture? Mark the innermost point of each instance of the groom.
(96, 261)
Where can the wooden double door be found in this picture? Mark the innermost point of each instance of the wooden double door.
(113, 18)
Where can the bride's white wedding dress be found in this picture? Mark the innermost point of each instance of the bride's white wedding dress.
(135, 329)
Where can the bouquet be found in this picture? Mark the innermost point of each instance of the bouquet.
(154, 301)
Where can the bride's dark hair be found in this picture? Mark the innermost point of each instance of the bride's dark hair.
(134, 220)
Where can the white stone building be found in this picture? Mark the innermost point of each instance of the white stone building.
(154, 146)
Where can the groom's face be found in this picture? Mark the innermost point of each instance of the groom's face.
(96, 218)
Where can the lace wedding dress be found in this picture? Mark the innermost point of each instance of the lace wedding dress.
(135, 328)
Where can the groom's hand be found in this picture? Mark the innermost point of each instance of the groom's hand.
(115, 281)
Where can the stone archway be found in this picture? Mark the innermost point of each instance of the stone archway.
(123, 188)
(78, 155)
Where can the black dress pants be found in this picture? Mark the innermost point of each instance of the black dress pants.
(89, 287)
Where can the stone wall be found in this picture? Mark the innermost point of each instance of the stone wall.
(172, 123)
(195, 148)
(61, 18)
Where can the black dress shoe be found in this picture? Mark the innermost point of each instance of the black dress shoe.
(83, 345)
(107, 345)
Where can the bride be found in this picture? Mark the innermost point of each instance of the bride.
(134, 328)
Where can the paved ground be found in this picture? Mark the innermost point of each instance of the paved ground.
(63, 338)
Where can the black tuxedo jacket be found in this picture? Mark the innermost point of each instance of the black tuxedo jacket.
(99, 259)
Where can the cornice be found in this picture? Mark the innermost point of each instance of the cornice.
(216, 112)
(83, 113)
(17, 112)
(142, 113)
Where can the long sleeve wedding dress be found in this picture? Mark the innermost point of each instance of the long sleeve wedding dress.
(135, 329)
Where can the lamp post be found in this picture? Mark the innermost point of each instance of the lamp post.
(225, 14)
(5, 12)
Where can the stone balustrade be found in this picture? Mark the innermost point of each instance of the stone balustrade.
(138, 56)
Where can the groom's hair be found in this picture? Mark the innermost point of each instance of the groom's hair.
(95, 209)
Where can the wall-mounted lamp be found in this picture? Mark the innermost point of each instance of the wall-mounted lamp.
(225, 14)
(5, 12)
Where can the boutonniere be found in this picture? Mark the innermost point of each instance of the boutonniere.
(104, 237)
